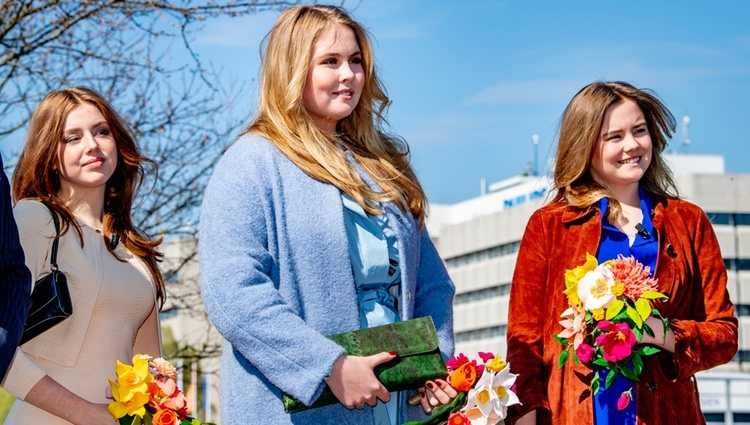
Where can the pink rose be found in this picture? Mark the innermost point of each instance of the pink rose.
(624, 400)
(617, 342)
(585, 352)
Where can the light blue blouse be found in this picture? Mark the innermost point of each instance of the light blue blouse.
(373, 248)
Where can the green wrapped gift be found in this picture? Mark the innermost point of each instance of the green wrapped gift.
(418, 360)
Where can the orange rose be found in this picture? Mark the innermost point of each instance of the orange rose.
(165, 417)
(463, 378)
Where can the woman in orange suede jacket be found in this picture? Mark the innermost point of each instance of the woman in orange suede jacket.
(612, 136)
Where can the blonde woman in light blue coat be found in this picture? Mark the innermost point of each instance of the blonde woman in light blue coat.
(313, 224)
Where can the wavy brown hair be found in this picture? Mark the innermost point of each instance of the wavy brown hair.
(283, 120)
(580, 130)
(36, 175)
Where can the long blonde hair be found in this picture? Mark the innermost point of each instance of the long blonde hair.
(36, 176)
(283, 120)
(580, 130)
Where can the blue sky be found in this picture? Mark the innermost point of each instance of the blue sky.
(471, 81)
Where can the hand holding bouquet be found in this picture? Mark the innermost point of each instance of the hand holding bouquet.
(609, 306)
(486, 389)
(145, 393)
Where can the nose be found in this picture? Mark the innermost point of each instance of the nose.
(346, 72)
(631, 142)
(90, 142)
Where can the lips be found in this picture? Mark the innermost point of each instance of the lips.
(95, 161)
(345, 92)
(633, 160)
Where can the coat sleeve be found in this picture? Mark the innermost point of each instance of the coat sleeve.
(526, 317)
(434, 293)
(711, 339)
(36, 231)
(15, 280)
(237, 283)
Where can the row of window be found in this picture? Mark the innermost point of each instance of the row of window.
(735, 219)
(482, 294)
(730, 219)
(718, 418)
(474, 334)
(484, 254)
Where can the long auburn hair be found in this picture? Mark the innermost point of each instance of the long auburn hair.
(36, 173)
(283, 120)
(580, 130)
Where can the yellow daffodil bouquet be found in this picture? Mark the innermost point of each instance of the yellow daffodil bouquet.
(484, 392)
(145, 393)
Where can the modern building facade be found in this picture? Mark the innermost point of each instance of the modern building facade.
(479, 240)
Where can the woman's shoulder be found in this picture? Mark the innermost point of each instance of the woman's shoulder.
(685, 210)
(251, 149)
(32, 213)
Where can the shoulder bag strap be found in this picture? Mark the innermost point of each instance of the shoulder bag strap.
(53, 256)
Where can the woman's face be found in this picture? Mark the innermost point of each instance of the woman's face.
(88, 153)
(623, 153)
(335, 78)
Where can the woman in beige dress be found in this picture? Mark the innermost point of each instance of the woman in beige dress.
(80, 159)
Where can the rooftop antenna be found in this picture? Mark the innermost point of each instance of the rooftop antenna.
(685, 133)
(535, 143)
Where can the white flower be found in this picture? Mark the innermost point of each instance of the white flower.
(491, 396)
(595, 288)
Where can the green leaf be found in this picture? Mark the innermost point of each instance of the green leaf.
(634, 316)
(595, 384)
(643, 308)
(637, 364)
(610, 378)
(655, 312)
(653, 295)
(649, 350)
(561, 340)
(648, 329)
(615, 306)
(629, 373)
(440, 414)
(563, 358)
(638, 333)
(601, 362)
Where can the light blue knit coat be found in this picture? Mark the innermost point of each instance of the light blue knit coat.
(276, 277)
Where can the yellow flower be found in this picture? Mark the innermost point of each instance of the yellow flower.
(496, 364)
(618, 289)
(572, 276)
(130, 390)
(598, 313)
(134, 404)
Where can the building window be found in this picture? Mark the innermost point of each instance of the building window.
(737, 263)
(711, 418)
(482, 294)
(729, 218)
(484, 254)
(474, 334)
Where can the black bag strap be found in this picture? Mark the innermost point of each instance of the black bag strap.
(53, 256)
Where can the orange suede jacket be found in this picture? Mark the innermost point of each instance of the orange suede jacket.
(689, 269)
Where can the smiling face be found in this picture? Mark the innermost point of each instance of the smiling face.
(623, 152)
(87, 153)
(335, 78)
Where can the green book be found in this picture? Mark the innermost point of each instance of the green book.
(418, 360)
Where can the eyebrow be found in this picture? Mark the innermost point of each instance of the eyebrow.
(99, 124)
(338, 55)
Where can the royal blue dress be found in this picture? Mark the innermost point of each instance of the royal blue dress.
(644, 249)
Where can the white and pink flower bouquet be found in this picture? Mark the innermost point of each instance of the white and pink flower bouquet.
(485, 390)
(609, 305)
